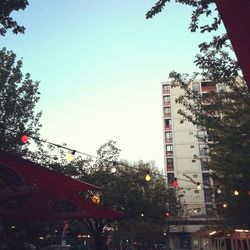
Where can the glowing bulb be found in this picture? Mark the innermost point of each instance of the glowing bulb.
(147, 177)
(71, 156)
(175, 183)
(198, 185)
(113, 170)
(142, 215)
(24, 138)
(218, 191)
(224, 205)
(236, 192)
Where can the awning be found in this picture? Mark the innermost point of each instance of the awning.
(236, 18)
(19, 177)
(30, 191)
(61, 207)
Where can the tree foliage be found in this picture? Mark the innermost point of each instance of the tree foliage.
(18, 96)
(200, 8)
(224, 115)
(6, 21)
(143, 203)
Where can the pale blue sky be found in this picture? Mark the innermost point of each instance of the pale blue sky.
(101, 64)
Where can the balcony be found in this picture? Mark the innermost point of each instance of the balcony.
(206, 89)
(167, 103)
(170, 167)
(167, 114)
(168, 140)
(168, 127)
(166, 91)
(169, 153)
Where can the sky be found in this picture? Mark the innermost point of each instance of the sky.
(100, 65)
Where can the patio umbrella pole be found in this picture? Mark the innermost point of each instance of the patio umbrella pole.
(65, 227)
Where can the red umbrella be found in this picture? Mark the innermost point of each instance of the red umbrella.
(20, 177)
(60, 207)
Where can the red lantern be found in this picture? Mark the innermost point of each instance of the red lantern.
(175, 183)
(24, 138)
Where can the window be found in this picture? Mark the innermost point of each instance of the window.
(196, 86)
(208, 195)
(195, 176)
(204, 164)
(170, 178)
(168, 136)
(206, 179)
(168, 124)
(203, 150)
(170, 164)
(167, 110)
(166, 88)
(201, 135)
(191, 133)
(169, 149)
(166, 99)
(196, 191)
(192, 146)
(193, 161)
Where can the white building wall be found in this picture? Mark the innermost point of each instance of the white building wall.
(185, 147)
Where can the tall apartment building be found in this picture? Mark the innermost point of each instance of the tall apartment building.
(185, 156)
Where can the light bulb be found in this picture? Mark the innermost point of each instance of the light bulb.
(218, 191)
(24, 138)
(236, 192)
(113, 170)
(147, 177)
(225, 205)
(71, 156)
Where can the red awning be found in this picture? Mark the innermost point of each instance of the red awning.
(19, 177)
(236, 18)
(54, 208)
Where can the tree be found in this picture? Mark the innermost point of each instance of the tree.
(6, 21)
(224, 115)
(18, 96)
(201, 8)
(123, 187)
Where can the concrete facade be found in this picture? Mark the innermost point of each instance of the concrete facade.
(185, 156)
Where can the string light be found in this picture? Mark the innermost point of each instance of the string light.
(113, 168)
(147, 177)
(224, 205)
(24, 138)
(175, 183)
(218, 190)
(236, 192)
(71, 156)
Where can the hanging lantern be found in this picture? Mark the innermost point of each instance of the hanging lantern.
(24, 139)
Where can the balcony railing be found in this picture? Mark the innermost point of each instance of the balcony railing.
(169, 153)
(169, 140)
(168, 127)
(167, 103)
(166, 91)
(170, 167)
(167, 114)
(208, 88)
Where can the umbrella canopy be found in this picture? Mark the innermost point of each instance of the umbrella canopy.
(20, 177)
(48, 207)
(236, 18)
